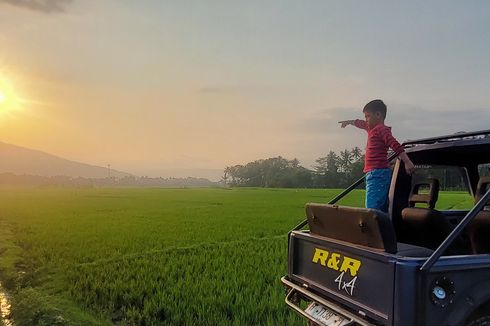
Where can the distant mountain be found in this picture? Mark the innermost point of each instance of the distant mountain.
(21, 160)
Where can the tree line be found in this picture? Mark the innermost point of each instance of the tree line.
(335, 170)
(10, 179)
(331, 171)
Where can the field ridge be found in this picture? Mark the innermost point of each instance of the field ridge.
(182, 248)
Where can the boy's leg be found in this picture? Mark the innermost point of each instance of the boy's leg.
(377, 187)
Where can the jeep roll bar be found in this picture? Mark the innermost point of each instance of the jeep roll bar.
(456, 231)
(455, 136)
(411, 143)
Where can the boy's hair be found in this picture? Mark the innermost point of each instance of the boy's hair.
(376, 106)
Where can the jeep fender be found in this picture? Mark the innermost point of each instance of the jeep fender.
(469, 302)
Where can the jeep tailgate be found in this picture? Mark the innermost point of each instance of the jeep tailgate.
(357, 278)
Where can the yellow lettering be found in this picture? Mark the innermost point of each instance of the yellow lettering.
(334, 261)
(351, 265)
(337, 261)
(320, 255)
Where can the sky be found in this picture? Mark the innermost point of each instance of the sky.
(152, 87)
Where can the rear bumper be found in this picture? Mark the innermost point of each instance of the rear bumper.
(297, 293)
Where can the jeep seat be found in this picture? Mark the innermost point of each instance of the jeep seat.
(426, 227)
(359, 226)
(479, 228)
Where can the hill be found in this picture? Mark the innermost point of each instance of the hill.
(21, 160)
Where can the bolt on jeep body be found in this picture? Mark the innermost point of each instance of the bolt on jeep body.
(415, 265)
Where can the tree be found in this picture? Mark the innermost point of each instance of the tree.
(356, 153)
(226, 174)
(333, 162)
(271, 172)
(332, 178)
(345, 160)
(321, 165)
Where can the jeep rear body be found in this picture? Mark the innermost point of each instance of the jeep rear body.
(369, 268)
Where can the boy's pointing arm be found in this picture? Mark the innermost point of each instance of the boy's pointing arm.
(361, 124)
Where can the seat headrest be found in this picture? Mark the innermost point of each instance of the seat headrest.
(429, 198)
(482, 188)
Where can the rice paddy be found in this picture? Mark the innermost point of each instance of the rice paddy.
(153, 256)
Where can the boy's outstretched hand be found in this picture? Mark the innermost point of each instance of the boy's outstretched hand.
(409, 166)
(345, 123)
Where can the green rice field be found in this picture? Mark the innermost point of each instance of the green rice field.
(153, 256)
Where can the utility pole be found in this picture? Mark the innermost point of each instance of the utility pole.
(109, 170)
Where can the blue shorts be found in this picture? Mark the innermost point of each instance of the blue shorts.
(377, 187)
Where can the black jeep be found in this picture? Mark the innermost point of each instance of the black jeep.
(416, 265)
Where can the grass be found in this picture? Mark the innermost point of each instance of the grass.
(153, 256)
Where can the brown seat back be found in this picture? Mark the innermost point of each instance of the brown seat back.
(482, 188)
(479, 229)
(425, 227)
(361, 226)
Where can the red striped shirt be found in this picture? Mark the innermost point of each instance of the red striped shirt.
(378, 141)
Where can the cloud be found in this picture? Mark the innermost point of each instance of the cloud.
(46, 6)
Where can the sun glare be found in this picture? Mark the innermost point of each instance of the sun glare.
(9, 101)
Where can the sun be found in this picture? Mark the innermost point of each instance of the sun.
(9, 101)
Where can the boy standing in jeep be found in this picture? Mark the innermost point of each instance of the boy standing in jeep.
(376, 165)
